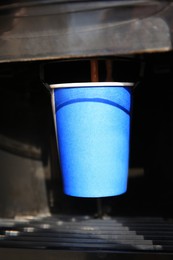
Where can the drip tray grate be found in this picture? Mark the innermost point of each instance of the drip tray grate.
(86, 233)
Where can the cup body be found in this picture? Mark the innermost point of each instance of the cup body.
(93, 125)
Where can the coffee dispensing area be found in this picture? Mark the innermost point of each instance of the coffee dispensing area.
(86, 129)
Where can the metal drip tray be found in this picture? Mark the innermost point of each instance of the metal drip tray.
(86, 233)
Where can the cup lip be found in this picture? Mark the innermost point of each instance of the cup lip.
(92, 84)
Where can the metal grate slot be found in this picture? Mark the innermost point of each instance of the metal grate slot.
(83, 233)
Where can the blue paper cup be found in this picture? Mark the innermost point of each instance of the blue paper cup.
(93, 124)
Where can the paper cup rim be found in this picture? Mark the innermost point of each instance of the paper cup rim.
(92, 84)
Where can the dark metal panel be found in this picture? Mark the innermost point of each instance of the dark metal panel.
(15, 254)
(24, 168)
(42, 30)
(22, 188)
